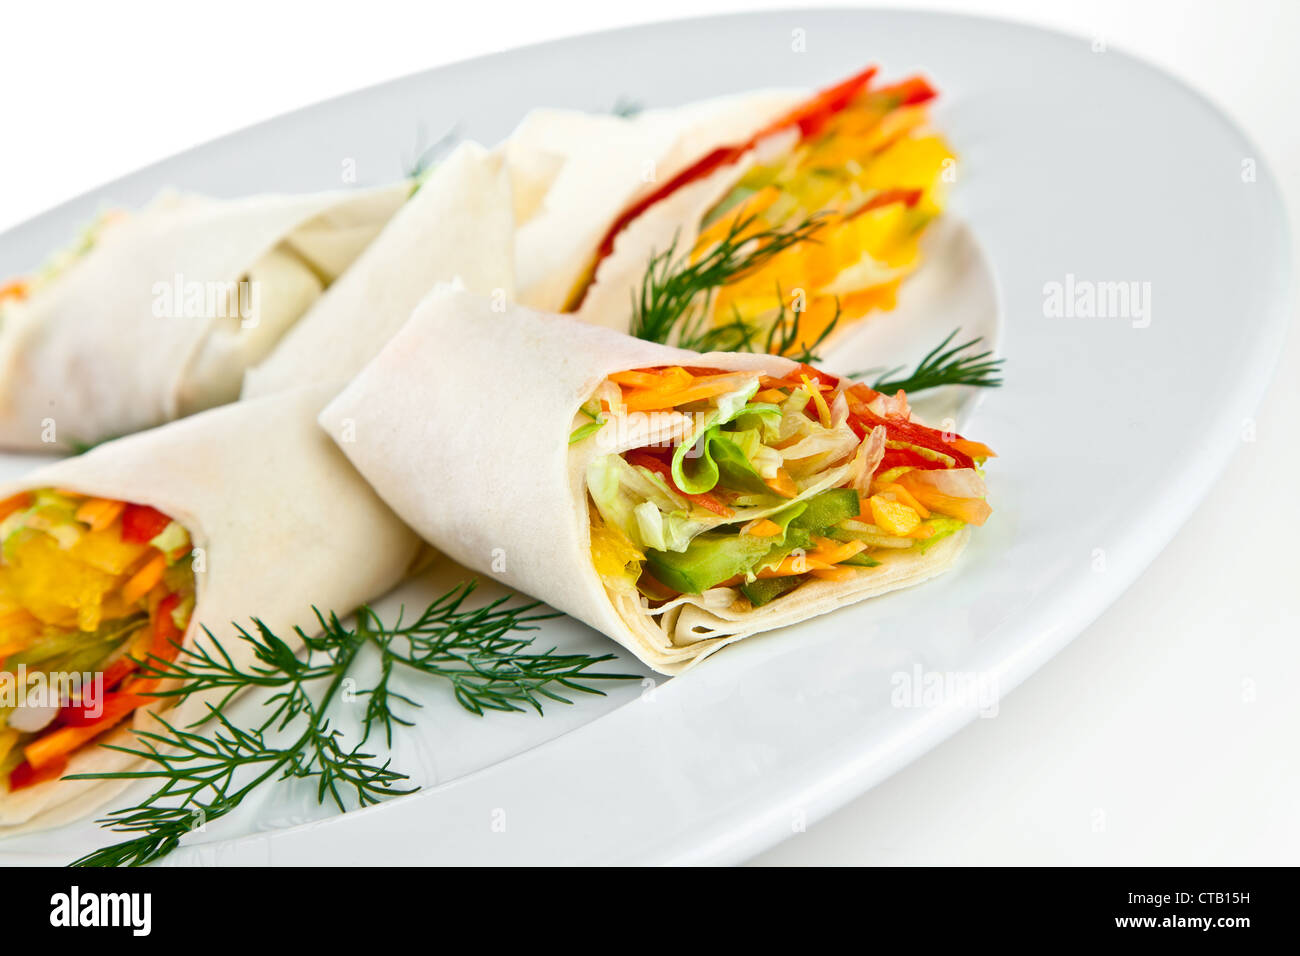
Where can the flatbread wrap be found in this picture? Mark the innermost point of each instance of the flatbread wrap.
(572, 172)
(240, 512)
(853, 173)
(156, 314)
(673, 500)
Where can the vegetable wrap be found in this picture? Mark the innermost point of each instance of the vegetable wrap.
(854, 173)
(156, 314)
(675, 501)
(572, 172)
(242, 512)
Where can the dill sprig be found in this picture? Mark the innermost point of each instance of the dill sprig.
(675, 303)
(626, 107)
(676, 299)
(944, 366)
(201, 777)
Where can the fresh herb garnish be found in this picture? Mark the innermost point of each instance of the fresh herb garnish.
(204, 777)
(675, 304)
(626, 107)
(940, 367)
(675, 307)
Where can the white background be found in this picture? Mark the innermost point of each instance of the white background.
(1166, 733)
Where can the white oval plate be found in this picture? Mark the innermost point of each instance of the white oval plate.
(1082, 172)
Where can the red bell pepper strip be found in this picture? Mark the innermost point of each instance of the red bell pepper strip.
(862, 419)
(25, 775)
(141, 524)
(114, 706)
(812, 115)
(163, 643)
(118, 671)
(905, 458)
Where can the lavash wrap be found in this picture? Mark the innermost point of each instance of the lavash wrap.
(458, 228)
(474, 454)
(106, 347)
(573, 173)
(284, 522)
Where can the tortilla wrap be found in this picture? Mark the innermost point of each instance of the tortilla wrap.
(457, 228)
(161, 316)
(574, 172)
(474, 454)
(284, 523)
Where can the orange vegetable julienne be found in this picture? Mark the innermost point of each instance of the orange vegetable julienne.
(973, 448)
(99, 513)
(142, 582)
(59, 743)
(833, 552)
(761, 528)
(636, 379)
(700, 388)
(783, 484)
(15, 503)
(971, 510)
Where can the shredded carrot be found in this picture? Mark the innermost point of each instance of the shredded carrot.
(773, 396)
(973, 448)
(646, 399)
(100, 513)
(635, 379)
(58, 743)
(761, 528)
(783, 484)
(15, 503)
(833, 552)
(143, 580)
(13, 289)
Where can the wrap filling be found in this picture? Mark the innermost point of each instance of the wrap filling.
(89, 588)
(741, 487)
(857, 163)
